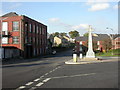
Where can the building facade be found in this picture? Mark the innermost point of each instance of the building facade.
(98, 41)
(24, 34)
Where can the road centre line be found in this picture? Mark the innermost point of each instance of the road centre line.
(21, 87)
(36, 80)
(73, 75)
(46, 74)
(39, 84)
(32, 88)
(50, 71)
(29, 83)
(47, 79)
(41, 76)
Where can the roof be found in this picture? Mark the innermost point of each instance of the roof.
(100, 37)
(115, 35)
(10, 14)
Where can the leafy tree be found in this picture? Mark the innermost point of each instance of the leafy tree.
(74, 34)
(56, 34)
(86, 34)
(107, 44)
(95, 46)
(63, 34)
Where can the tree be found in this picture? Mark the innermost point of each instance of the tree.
(95, 46)
(94, 43)
(55, 34)
(63, 34)
(74, 34)
(86, 34)
(107, 44)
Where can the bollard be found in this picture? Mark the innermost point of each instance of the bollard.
(74, 57)
(80, 55)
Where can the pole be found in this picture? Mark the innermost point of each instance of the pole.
(111, 37)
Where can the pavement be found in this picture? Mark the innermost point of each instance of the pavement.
(90, 60)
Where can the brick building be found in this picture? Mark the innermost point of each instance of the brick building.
(23, 36)
(98, 39)
(115, 41)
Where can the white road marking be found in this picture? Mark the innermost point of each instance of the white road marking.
(39, 84)
(21, 87)
(56, 68)
(36, 80)
(33, 88)
(73, 75)
(47, 79)
(29, 83)
(46, 74)
(41, 76)
(53, 70)
(50, 71)
(59, 66)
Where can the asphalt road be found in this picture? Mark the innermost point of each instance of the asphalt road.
(51, 72)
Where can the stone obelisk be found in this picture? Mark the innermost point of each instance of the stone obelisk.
(90, 53)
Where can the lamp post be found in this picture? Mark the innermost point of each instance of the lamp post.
(111, 37)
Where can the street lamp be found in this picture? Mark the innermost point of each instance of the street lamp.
(111, 37)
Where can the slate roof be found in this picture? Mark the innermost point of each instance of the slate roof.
(115, 35)
(100, 37)
(10, 14)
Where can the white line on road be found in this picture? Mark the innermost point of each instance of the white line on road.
(47, 79)
(36, 80)
(59, 66)
(46, 74)
(33, 88)
(21, 87)
(73, 75)
(29, 83)
(41, 76)
(50, 71)
(39, 84)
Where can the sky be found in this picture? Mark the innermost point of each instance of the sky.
(69, 16)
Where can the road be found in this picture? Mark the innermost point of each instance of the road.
(51, 72)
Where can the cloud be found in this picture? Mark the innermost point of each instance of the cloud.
(53, 20)
(116, 6)
(99, 6)
(15, 5)
(91, 2)
(80, 26)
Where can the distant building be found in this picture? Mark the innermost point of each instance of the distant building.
(22, 36)
(98, 38)
(61, 41)
(115, 41)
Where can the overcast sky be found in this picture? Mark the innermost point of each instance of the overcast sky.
(67, 16)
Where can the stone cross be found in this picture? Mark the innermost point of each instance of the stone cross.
(90, 53)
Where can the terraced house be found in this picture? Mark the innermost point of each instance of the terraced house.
(22, 36)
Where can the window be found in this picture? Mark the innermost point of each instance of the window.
(5, 40)
(15, 26)
(37, 29)
(15, 40)
(117, 42)
(30, 27)
(30, 39)
(33, 28)
(43, 31)
(40, 30)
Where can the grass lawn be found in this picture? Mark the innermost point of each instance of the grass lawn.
(115, 52)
